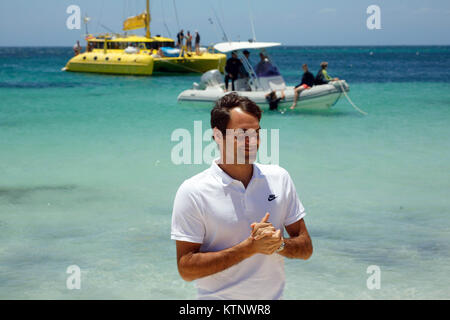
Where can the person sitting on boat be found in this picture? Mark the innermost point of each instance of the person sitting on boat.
(131, 48)
(322, 76)
(307, 83)
(160, 53)
(89, 47)
(232, 68)
(77, 48)
(273, 99)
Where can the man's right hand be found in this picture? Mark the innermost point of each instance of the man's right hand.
(262, 228)
(268, 244)
(265, 239)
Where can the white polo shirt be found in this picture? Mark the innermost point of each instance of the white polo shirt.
(215, 210)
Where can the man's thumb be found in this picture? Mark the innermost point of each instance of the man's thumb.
(266, 217)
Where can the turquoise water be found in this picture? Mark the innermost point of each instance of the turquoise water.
(86, 176)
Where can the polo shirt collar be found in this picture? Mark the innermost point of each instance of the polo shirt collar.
(226, 179)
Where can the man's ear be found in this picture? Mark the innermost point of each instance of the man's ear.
(217, 135)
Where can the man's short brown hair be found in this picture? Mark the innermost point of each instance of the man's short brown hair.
(220, 113)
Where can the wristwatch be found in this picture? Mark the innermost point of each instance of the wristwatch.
(281, 247)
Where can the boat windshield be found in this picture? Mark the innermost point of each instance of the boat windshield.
(265, 68)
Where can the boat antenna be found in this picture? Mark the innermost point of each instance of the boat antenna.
(86, 20)
(147, 21)
(251, 21)
(215, 28)
(101, 15)
(164, 19)
(225, 37)
(176, 15)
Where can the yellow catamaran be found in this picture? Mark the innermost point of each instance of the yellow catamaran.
(141, 55)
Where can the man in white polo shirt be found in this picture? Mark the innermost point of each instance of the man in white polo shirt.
(228, 220)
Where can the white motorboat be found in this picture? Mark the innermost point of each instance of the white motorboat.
(262, 81)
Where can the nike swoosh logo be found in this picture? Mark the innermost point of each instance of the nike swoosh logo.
(271, 197)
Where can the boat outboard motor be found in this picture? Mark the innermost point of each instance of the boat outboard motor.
(212, 78)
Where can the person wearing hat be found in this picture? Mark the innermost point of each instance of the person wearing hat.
(322, 76)
(232, 69)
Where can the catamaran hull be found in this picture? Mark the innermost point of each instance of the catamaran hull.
(112, 63)
(318, 97)
(198, 64)
(143, 64)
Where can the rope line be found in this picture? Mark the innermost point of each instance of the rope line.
(350, 100)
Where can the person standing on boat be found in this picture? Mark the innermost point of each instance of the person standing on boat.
(189, 41)
(180, 37)
(264, 68)
(243, 72)
(216, 242)
(197, 42)
(322, 76)
(307, 83)
(77, 48)
(232, 68)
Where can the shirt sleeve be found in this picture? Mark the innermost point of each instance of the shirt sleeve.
(325, 74)
(294, 208)
(187, 221)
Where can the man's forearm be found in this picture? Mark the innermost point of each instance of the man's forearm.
(201, 264)
(299, 247)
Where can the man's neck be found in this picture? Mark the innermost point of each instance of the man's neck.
(241, 172)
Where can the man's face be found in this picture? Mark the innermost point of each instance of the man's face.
(305, 68)
(234, 55)
(241, 142)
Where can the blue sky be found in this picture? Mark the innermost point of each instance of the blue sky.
(291, 22)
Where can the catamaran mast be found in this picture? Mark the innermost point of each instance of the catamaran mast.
(147, 20)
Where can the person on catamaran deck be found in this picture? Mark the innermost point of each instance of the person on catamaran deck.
(322, 76)
(77, 48)
(307, 83)
(232, 68)
(189, 41)
(180, 37)
(197, 42)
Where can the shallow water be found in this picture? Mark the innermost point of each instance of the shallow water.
(86, 176)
